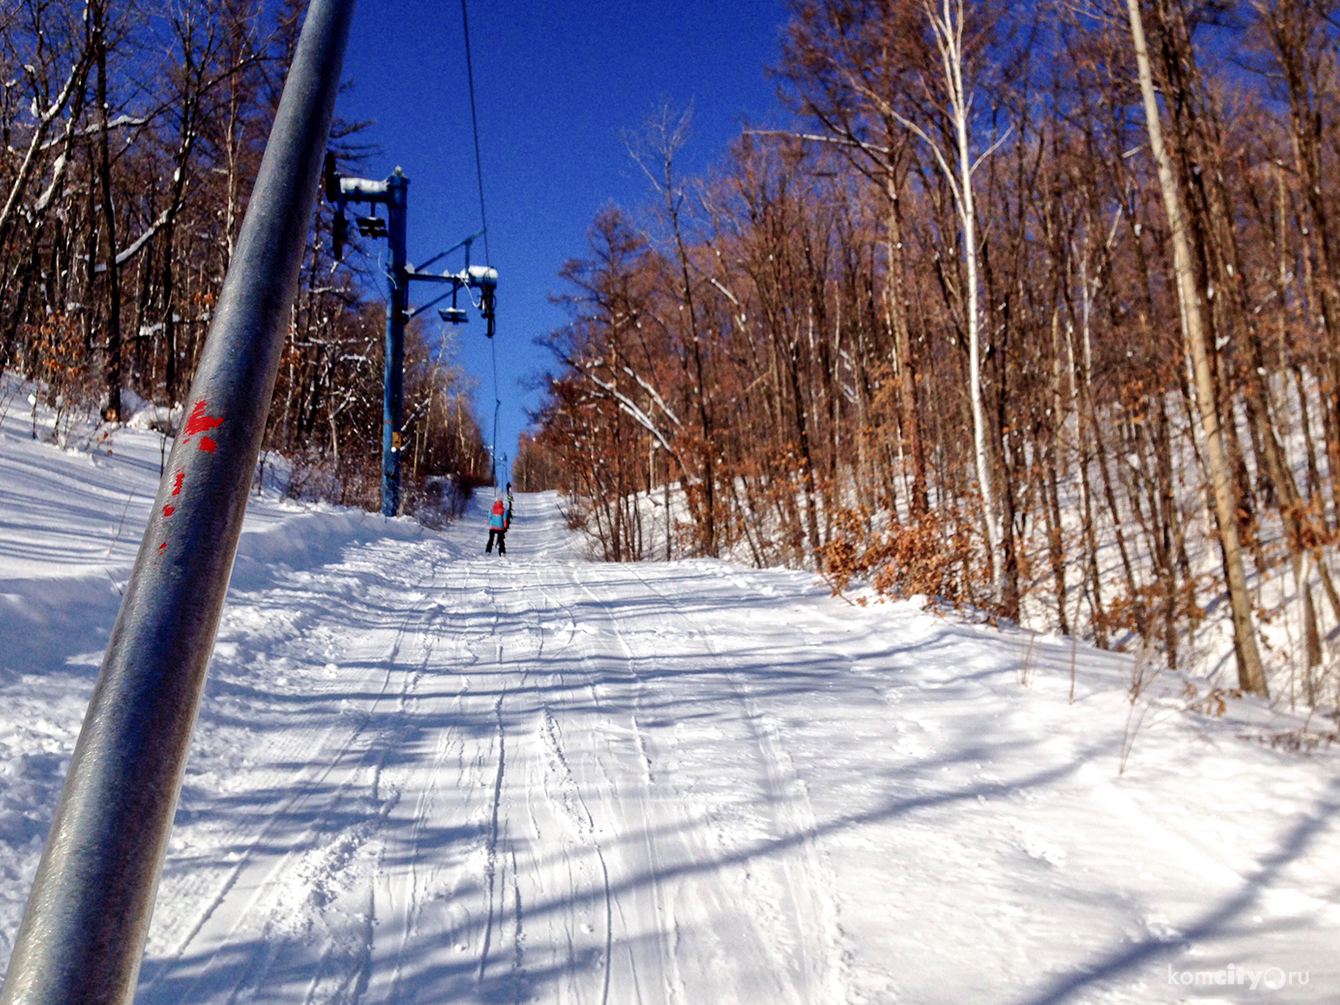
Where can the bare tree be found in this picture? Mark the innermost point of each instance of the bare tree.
(1251, 673)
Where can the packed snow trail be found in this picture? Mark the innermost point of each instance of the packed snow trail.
(425, 774)
(487, 779)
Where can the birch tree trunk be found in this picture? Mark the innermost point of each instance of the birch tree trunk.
(947, 27)
(1251, 673)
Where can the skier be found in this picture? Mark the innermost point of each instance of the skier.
(497, 528)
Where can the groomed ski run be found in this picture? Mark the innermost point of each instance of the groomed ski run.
(425, 774)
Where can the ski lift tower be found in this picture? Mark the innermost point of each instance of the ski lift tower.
(391, 193)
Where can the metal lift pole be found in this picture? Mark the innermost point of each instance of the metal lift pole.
(82, 936)
(397, 310)
(341, 192)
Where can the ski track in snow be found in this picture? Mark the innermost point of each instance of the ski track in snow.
(424, 774)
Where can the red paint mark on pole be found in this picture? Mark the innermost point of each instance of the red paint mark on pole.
(169, 510)
(162, 546)
(176, 484)
(199, 422)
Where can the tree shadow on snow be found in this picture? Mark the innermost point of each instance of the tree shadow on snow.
(1215, 921)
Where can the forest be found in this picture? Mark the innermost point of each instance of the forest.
(1029, 308)
(131, 133)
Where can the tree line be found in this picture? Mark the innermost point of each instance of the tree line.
(130, 134)
(1023, 303)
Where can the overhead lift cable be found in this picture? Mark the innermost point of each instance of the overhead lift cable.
(474, 122)
(484, 224)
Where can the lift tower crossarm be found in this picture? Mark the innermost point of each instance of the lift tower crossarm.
(480, 277)
(364, 190)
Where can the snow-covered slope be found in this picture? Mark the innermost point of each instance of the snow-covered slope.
(425, 774)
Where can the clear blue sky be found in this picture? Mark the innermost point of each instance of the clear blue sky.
(557, 83)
